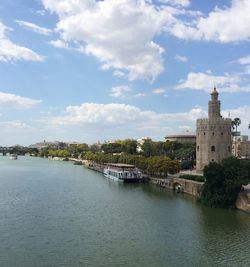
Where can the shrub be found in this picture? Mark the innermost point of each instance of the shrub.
(196, 178)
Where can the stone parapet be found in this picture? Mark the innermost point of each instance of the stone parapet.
(217, 120)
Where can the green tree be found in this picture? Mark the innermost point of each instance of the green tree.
(95, 148)
(246, 167)
(171, 149)
(161, 166)
(147, 148)
(236, 123)
(112, 147)
(223, 182)
(129, 146)
(151, 148)
(44, 152)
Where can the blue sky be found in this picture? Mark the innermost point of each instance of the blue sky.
(87, 70)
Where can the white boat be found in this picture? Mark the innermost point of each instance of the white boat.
(122, 172)
(13, 156)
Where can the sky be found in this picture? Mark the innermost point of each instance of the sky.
(88, 71)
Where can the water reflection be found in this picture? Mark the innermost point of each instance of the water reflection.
(224, 236)
(58, 214)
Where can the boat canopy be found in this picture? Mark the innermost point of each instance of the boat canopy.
(120, 165)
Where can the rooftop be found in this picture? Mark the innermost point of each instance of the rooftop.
(182, 134)
(120, 165)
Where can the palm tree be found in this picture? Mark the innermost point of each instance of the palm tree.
(235, 124)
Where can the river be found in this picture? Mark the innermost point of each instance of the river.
(55, 214)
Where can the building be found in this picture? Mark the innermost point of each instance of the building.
(213, 135)
(140, 143)
(241, 147)
(52, 145)
(182, 137)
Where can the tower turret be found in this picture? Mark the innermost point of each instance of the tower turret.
(214, 105)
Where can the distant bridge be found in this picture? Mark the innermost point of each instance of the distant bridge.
(5, 150)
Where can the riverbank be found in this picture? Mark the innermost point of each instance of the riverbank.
(243, 200)
(57, 214)
(172, 182)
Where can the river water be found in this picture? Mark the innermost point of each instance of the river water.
(59, 214)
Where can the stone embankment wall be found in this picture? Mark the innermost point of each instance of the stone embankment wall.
(187, 186)
(243, 200)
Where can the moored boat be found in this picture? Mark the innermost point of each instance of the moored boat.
(122, 172)
(13, 156)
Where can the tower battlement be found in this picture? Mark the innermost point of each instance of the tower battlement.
(206, 120)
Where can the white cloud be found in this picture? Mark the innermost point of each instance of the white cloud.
(183, 3)
(14, 132)
(140, 95)
(242, 113)
(41, 12)
(10, 52)
(120, 33)
(228, 24)
(123, 121)
(59, 43)
(244, 60)
(33, 27)
(185, 127)
(14, 101)
(10, 125)
(92, 113)
(119, 73)
(247, 69)
(159, 91)
(181, 58)
(119, 91)
(203, 81)
(115, 121)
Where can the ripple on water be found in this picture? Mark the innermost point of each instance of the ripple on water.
(59, 214)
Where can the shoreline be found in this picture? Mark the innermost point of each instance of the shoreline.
(189, 187)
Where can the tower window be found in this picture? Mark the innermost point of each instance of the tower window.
(221, 133)
(212, 148)
(204, 133)
(198, 148)
(229, 149)
(212, 160)
(212, 133)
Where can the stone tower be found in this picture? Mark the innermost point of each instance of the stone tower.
(213, 135)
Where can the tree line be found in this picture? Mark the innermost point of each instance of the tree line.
(158, 166)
